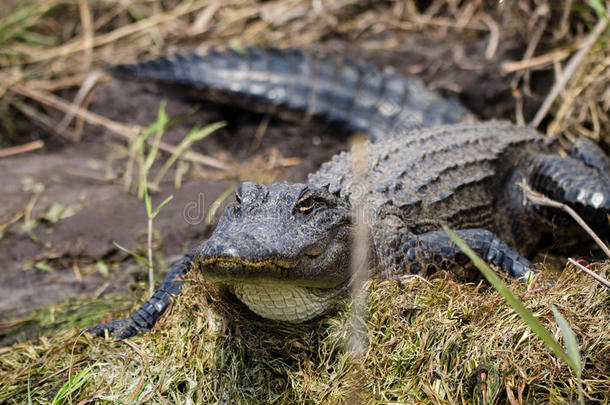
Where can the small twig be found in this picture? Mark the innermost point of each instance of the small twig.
(260, 132)
(11, 221)
(540, 199)
(23, 148)
(416, 21)
(290, 161)
(540, 18)
(87, 24)
(518, 96)
(84, 90)
(77, 272)
(494, 36)
(202, 21)
(410, 277)
(38, 117)
(100, 290)
(571, 67)
(540, 61)
(589, 272)
(87, 175)
(61, 83)
(563, 25)
(138, 387)
(533, 291)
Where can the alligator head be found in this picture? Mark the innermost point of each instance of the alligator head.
(282, 249)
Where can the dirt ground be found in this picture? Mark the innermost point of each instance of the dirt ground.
(58, 258)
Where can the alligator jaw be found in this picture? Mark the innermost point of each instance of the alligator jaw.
(269, 290)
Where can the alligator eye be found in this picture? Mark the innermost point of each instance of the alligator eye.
(307, 204)
(238, 198)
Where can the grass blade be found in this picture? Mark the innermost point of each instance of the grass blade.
(29, 392)
(514, 302)
(569, 339)
(132, 253)
(163, 204)
(197, 134)
(216, 205)
(71, 386)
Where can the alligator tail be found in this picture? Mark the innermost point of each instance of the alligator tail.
(143, 319)
(294, 84)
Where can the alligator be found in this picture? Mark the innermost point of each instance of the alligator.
(284, 249)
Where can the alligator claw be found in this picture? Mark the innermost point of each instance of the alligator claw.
(119, 329)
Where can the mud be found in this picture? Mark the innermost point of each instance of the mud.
(82, 181)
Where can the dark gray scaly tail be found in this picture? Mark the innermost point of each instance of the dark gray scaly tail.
(355, 95)
(147, 315)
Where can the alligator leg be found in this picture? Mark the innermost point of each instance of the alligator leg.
(432, 251)
(145, 317)
(581, 181)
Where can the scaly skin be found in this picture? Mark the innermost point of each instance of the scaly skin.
(284, 249)
(297, 85)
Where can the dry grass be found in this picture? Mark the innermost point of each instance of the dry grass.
(53, 46)
(584, 109)
(424, 344)
(425, 341)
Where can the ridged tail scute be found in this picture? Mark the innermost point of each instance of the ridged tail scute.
(143, 319)
(356, 95)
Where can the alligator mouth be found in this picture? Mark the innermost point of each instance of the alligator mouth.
(234, 262)
(229, 270)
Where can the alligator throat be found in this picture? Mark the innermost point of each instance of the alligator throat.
(286, 303)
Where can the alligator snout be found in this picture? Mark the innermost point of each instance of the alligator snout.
(248, 249)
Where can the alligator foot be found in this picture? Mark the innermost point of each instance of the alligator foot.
(120, 329)
(433, 251)
(147, 315)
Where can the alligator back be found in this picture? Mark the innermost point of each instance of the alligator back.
(453, 174)
(291, 83)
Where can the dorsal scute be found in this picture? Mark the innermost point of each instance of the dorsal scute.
(425, 166)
